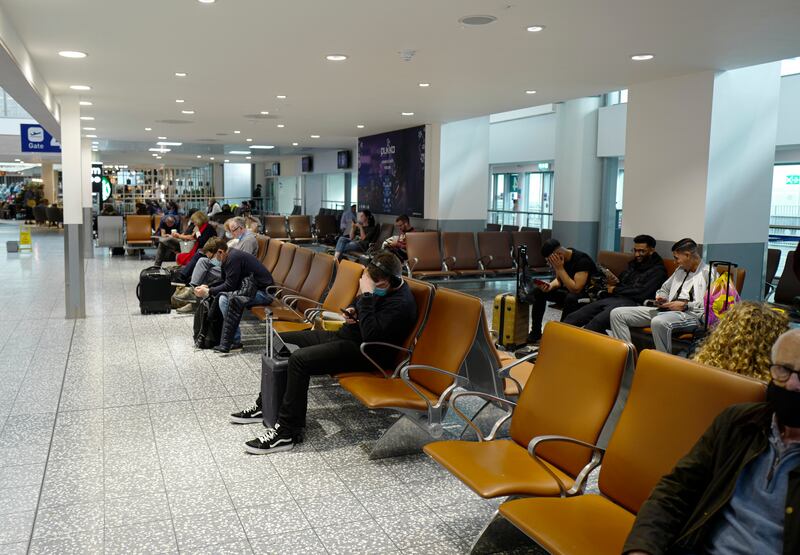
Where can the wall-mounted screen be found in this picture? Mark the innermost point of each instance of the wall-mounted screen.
(344, 160)
(276, 168)
(391, 172)
(308, 164)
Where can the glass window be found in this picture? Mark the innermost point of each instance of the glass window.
(784, 220)
(521, 199)
(333, 194)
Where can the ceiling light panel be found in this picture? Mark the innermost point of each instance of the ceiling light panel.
(72, 54)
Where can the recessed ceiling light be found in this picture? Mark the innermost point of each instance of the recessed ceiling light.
(72, 54)
(199, 156)
(248, 157)
(187, 112)
(535, 28)
(424, 85)
(85, 103)
(265, 113)
(160, 149)
(262, 147)
(239, 151)
(406, 113)
(155, 155)
(281, 97)
(91, 136)
(249, 140)
(642, 57)
(360, 126)
(95, 150)
(180, 100)
(162, 138)
(211, 158)
(180, 74)
(315, 136)
(167, 143)
(473, 20)
(95, 142)
(206, 1)
(80, 87)
(226, 161)
(530, 91)
(280, 126)
(87, 118)
(236, 132)
(336, 57)
(295, 144)
(90, 128)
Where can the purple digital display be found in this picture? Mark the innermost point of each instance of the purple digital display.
(391, 172)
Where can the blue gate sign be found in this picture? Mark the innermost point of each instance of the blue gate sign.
(34, 138)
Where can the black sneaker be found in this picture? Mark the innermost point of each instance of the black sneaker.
(224, 350)
(274, 440)
(253, 415)
(237, 347)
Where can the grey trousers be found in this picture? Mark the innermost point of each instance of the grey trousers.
(662, 324)
(205, 273)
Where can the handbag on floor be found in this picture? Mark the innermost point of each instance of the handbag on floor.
(207, 323)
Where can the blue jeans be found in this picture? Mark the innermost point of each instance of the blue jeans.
(345, 244)
(261, 298)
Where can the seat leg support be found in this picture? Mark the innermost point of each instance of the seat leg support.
(403, 438)
(484, 418)
(500, 536)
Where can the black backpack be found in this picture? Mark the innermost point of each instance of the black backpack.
(207, 323)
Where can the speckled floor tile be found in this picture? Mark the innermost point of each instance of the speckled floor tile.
(144, 539)
(273, 518)
(303, 542)
(363, 537)
(207, 529)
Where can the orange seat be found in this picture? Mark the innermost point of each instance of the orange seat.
(263, 243)
(617, 262)
(671, 404)
(292, 305)
(532, 239)
(138, 232)
(572, 391)
(495, 250)
(424, 256)
(460, 254)
(300, 229)
(298, 272)
(272, 255)
(275, 227)
(284, 265)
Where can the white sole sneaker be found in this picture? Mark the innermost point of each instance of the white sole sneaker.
(274, 449)
(240, 420)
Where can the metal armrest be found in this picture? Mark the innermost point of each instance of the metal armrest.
(503, 372)
(292, 300)
(445, 259)
(597, 456)
(383, 344)
(412, 263)
(488, 397)
(404, 375)
(486, 257)
(279, 288)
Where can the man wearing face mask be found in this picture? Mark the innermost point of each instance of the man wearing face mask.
(235, 265)
(208, 270)
(738, 489)
(385, 311)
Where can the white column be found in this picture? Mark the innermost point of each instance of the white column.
(75, 296)
(86, 197)
(578, 175)
(49, 185)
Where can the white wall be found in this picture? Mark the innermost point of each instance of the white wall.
(666, 159)
(523, 140)
(237, 179)
(744, 120)
(313, 189)
(463, 170)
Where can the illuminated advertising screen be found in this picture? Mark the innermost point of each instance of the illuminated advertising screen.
(391, 172)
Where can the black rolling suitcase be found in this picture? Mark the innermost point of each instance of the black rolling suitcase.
(154, 291)
(274, 364)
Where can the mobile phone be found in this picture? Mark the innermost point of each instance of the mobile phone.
(540, 282)
(348, 314)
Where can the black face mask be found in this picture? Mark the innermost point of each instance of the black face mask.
(785, 403)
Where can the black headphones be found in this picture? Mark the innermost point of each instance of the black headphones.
(395, 278)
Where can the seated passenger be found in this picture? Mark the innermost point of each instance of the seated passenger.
(207, 271)
(384, 311)
(638, 283)
(109, 210)
(362, 234)
(168, 224)
(678, 304)
(573, 269)
(397, 243)
(738, 489)
(735, 345)
(199, 230)
(235, 265)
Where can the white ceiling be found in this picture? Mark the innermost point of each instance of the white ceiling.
(240, 54)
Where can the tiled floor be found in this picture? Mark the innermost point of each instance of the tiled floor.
(114, 438)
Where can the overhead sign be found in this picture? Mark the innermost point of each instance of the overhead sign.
(97, 177)
(34, 138)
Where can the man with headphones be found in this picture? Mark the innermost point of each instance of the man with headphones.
(384, 311)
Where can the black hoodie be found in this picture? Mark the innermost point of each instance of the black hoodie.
(641, 281)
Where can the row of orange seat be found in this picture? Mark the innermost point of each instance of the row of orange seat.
(463, 254)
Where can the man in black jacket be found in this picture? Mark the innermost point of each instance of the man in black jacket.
(385, 311)
(236, 265)
(738, 489)
(639, 282)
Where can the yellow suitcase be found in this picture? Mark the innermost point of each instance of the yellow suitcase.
(510, 321)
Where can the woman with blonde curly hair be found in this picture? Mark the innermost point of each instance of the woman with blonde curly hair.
(742, 341)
